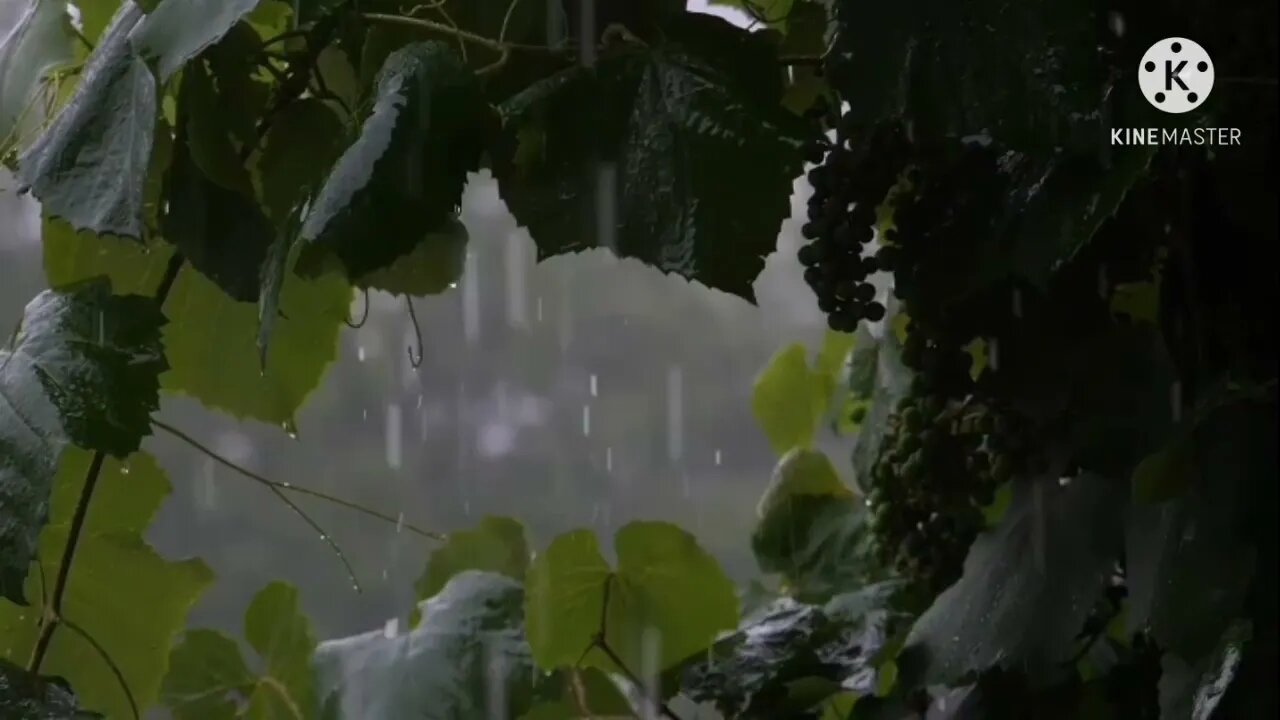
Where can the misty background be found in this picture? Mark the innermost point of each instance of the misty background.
(582, 391)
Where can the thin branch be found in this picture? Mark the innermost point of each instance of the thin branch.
(290, 487)
(802, 60)
(470, 37)
(415, 353)
(506, 20)
(613, 656)
(106, 657)
(601, 642)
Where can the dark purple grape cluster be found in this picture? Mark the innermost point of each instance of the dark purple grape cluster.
(852, 179)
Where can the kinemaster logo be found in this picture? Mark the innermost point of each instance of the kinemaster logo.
(1176, 76)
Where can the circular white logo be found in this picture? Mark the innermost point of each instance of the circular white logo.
(1176, 75)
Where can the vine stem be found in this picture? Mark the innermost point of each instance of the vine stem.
(290, 487)
(601, 642)
(52, 612)
(482, 41)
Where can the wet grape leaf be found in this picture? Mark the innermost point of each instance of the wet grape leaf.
(133, 621)
(663, 582)
(468, 655)
(40, 43)
(209, 680)
(71, 257)
(682, 146)
(1048, 558)
(405, 172)
(433, 266)
(303, 142)
(1193, 690)
(177, 30)
(1192, 558)
(89, 167)
(566, 693)
(788, 401)
(213, 219)
(496, 544)
(24, 696)
(82, 369)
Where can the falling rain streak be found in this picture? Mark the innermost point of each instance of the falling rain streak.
(586, 421)
(675, 413)
(471, 299)
(517, 268)
(395, 436)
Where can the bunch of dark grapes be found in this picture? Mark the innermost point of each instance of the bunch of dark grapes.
(855, 174)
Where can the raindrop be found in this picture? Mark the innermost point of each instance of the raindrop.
(586, 421)
(1017, 302)
(466, 508)
(400, 522)
(360, 353)
(1064, 481)
(650, 664)
(391, 628)
(608, 459)
(993, 354)
(606, 205)
(595, 388)
(208, 487)
(124, 469)
(102, 330)
(718, 457)
(364, 414)
(471, 300)
(290, 429)
(538, 309)
(1115, 21)
(1104, 287)
(395, 436)
(1175, 400)
(517, 283)
(675, 413)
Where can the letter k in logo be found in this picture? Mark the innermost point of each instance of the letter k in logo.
(1171, 75)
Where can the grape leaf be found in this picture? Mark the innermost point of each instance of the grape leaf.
(82, 369)
(1049, 557)
(664, 583)
(208, 678)
(1191, 559)
(211, 344)
(468, 659)
(134, 621)
(40, 43)
(433, 266)
(177, 30)
(786, 400)
(24, 696)
(1193, 690)
(95, 16)
(659, 138)
(405, 173)
(496, 545)
(89, 167)
(301, 145)
(213, 219)
(71, 257)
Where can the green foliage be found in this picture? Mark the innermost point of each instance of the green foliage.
(209, 680)
(405, 172)
(671, 119)
(81, 369)
(24, 696)
(496, 545)
(435, 265)
(468, 654)
(666, 593)
(40, 44)
(790, 399)
(132, 622)
(177, 30)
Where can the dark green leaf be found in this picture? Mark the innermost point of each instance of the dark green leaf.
(89, 167)
(204, 669)
(664, 583)
(304, 141)
(213, 220)
(496, 545)
(433, 266)
(1191, 559)
(134, 621)
(82, 369)
(566, 693)
(1193, 690)
(178, 30)
(1049, 558)
(684, 147)
(892, 382)
(405, 173)
(24, 696)
(468, 655)
(817, 543)
(40, 43)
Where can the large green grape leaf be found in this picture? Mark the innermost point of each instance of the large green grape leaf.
(89, 167)
(1049, 557)
(1191, 559)
(82, 369)
(177, 30)
(790, 399)
(664, 584)
(433, 266)
(130, 600)
(211, 342)
(209, 680)
(496, 545)
(24, 696)
(300, 147)
(702, 154)
(40, 43)
(213, 219)
(404, 174)
(468, 659)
